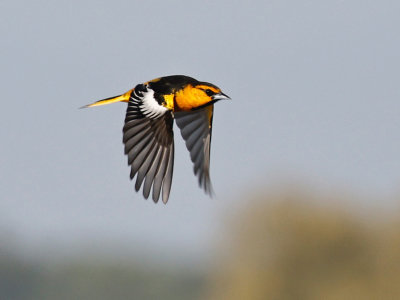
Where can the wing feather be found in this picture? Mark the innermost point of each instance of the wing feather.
(149, 144)
(158, 179)
(142, 164)
(166, 186)
(134, 128)
(148, 182)
(138, 148)
(196, 130)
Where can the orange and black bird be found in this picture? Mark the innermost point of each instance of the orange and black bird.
(148, 131)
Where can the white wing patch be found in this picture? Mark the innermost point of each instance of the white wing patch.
(150, 107)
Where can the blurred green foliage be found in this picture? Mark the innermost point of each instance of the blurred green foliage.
(95, 279)
(290, 244)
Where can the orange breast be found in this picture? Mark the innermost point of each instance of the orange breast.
(189, 98)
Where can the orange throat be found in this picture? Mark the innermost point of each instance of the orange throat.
(189, 98)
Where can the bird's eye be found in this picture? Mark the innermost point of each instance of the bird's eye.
(209, 92)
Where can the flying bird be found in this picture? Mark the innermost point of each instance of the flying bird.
(148, 130)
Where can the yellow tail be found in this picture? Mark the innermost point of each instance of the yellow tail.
(121, 98)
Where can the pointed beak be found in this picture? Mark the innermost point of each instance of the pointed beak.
(121, 98)
(220, 96)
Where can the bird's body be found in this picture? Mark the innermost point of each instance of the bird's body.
(148, 131)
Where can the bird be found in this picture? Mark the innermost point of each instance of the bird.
(148, 135)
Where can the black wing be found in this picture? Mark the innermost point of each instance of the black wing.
(149, 144)
(196, 129)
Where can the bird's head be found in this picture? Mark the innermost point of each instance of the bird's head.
(211, 92)
(199, 95)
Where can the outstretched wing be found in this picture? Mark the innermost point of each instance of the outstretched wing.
(149, 143)
(196, 127)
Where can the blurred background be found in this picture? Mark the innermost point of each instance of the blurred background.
(304, 162)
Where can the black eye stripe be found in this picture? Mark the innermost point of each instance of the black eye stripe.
(209, 92)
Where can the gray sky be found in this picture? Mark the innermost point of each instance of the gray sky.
(315, 89)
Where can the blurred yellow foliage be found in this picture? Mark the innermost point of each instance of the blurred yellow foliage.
(296, 245)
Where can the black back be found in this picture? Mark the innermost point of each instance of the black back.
(169, 84)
